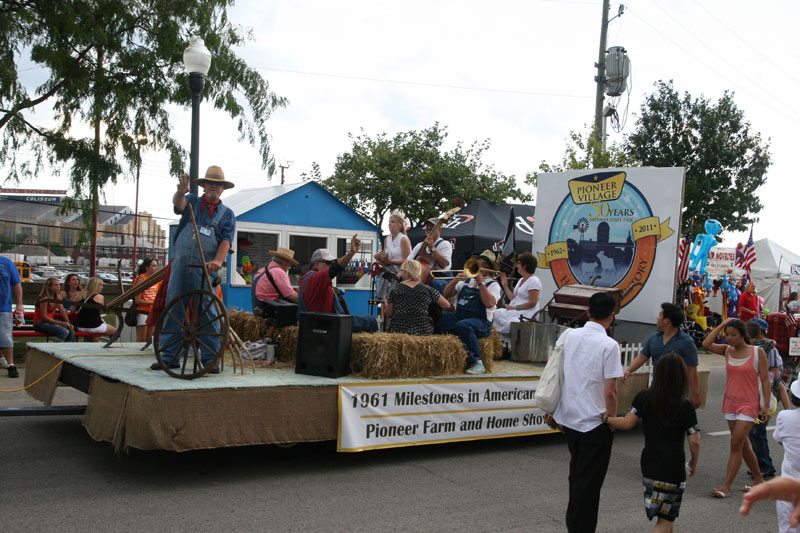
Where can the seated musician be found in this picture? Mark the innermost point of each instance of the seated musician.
(524, 300)
(434, 253)
(317, 293)
(272, 282)
(409, 300)
(476, 299)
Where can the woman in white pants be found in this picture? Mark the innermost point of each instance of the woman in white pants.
(524, 300)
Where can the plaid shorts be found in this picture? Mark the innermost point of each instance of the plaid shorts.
(661, 499)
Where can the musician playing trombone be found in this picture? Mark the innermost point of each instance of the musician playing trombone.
(476, 298)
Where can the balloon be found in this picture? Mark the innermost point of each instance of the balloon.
(703, 244)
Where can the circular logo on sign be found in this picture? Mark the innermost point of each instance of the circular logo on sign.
(603, 234)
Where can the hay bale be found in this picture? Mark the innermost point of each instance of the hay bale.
(248, 326)
(395, 355)
(286, 339)
(491, 348)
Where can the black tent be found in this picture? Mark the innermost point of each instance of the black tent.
(481, 226)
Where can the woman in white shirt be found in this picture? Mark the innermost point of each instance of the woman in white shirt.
(524, 300)
(395, 251)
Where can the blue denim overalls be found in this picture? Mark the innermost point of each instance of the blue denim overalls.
(183, 278)
(468, 322)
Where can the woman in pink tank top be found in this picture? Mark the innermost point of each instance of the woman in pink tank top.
(745, 369)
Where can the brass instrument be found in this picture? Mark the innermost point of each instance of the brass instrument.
(471, 269)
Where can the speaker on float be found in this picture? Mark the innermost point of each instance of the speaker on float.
(323, 345)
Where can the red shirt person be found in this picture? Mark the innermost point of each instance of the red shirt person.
(748, 303)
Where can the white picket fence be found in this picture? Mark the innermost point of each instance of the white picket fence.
(629, 353)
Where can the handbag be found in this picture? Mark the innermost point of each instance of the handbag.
(548, 391)
(283, 312)
(130, 316)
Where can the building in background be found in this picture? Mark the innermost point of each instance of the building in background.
(30, 218)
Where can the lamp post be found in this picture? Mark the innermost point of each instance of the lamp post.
(141, 140)
(196, 61)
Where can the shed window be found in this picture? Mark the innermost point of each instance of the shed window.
(257, 252)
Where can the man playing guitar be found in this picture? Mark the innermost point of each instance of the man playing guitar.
(434, 253)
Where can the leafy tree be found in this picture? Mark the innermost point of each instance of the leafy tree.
(583, 152)
(117, 66)
(725, 161)
(412, 173)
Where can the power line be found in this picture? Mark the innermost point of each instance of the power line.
(738, 36)
(733, 66)
(781, 112)
(423, 84)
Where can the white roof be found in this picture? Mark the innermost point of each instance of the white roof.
(773, 260)
(246, 199)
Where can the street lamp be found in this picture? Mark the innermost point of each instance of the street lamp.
(196, 61)
(141, 140)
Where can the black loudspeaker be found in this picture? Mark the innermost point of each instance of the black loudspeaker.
(323, 345)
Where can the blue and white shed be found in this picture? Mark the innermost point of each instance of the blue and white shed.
(301, 217)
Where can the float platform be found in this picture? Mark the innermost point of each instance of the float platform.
(130, 405)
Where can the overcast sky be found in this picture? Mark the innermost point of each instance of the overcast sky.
(517, 72)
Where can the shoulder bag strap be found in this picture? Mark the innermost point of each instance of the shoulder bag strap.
(269, 277)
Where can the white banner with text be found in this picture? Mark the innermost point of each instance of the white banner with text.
(391, 414)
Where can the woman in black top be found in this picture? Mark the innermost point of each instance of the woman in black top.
(89, 318)
(666, 417)
(408, 302)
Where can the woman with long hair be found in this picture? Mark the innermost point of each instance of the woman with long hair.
(44, 315)
(144, 301)
(747, 391)
(407, 305)
(667, 415)
(396, 250)
(71, 294)
(89, 318)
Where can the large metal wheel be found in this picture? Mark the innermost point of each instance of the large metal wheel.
(198, 314)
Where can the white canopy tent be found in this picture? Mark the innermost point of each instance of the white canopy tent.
(774, 264)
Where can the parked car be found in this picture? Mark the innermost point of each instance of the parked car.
(36, 277)
(107, 277)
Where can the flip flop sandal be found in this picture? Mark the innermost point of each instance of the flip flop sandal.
(746, 488)
(719, 494)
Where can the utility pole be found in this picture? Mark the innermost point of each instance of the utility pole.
(600, 78)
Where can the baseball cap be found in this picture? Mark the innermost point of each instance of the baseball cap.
(322, 254)
(433, 221)
(761, 323)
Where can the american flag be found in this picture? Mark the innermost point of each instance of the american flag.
(683, 256)
(790, 319)
(748, 254)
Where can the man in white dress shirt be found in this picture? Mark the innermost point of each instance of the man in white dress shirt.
(592, 364)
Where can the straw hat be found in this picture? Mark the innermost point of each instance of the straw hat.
(490, 256)
(285, 254)
(214, 174)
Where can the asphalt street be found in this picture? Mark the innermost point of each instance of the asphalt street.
(54, 477)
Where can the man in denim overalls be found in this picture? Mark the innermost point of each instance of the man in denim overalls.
(476, 300)
(216, 226)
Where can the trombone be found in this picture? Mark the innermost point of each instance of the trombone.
(471, 269)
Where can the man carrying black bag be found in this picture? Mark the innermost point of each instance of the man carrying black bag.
(271, 284)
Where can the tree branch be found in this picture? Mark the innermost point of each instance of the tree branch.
(27, 104)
